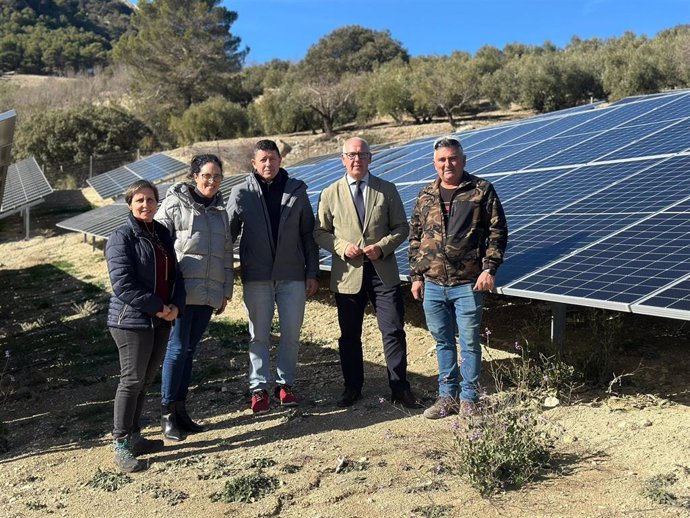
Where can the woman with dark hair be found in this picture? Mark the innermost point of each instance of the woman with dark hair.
(148, 295)
(195, 215)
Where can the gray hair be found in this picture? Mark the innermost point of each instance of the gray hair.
(448, 141)
(366, 144)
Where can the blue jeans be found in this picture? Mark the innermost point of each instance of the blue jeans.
(259, 300)
(177, 365)
(447, 309)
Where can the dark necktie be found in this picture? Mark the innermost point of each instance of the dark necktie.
(359, 202)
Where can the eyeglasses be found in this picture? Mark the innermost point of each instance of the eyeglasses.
(361, 156)
(211, 177)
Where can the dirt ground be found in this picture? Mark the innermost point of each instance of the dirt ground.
(60, 373)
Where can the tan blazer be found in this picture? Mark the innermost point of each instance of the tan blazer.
(337, 225)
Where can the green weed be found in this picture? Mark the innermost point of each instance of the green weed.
(108, 480)
(246, 488)
(261, 462)
(661, 489)
(432, 511)
(171, 496)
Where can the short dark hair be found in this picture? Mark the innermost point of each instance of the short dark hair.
(448, 141)
(199, 161)
(137, 186)
(266, 145)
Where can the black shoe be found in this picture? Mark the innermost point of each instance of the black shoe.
(140, 445)
(184, 422)
(169, 427)
(406, 398)
(349, 397)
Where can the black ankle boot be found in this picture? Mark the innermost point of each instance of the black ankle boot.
(169, 426)
(184, 421)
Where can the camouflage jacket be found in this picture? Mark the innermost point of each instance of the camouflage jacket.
(475, 238)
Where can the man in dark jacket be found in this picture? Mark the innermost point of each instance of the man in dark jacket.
(279, 265)
(458, 235)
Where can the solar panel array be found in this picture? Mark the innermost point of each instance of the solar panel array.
(153, 168)
(7, 123)
(102, 221)
(597, 200)
(26, 185)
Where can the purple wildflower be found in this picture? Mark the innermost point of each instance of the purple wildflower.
(475, 435)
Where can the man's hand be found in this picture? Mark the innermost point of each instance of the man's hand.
(373, 252)
(417, 290)
(311, 287)
(485, 282)
(353, 251)
(222, 306)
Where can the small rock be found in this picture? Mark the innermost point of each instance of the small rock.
(645, 422)
(551, 402)
(569, 439)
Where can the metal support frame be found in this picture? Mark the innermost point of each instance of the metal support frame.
(558, 317)
(27, 223)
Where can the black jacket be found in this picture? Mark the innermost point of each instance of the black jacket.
(132, 267)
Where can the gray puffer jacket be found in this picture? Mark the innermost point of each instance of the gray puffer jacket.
(295, 257)
(203, 244)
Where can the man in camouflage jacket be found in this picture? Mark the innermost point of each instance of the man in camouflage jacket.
(458, 235)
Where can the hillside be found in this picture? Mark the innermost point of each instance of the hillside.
(52, 37)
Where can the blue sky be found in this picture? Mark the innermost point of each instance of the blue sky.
(285, 29)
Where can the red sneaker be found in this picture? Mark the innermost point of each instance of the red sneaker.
(286, 395)
(260, 402)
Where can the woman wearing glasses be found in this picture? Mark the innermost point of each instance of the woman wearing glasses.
(195, 215)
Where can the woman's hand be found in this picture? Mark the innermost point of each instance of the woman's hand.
(172, 313)
(222, 306)
(163, 313)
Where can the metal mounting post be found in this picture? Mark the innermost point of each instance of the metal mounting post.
(558, 314)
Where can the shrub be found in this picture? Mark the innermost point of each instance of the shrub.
(535, 374)
(213, 119)
(501, 445)
(73, 135)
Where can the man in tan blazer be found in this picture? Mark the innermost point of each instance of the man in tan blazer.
(361, 221)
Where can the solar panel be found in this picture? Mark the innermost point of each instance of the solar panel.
(102, 221)
(153, 168)
(622, 268)
(7, 123)
(26, 185)
(592, 195)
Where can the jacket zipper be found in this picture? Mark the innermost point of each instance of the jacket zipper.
(122, 314)
(155, 273)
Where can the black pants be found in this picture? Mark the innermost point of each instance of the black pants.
(141, 352)
(390, 313)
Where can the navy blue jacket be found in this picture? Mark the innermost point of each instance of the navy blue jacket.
(132, 267)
